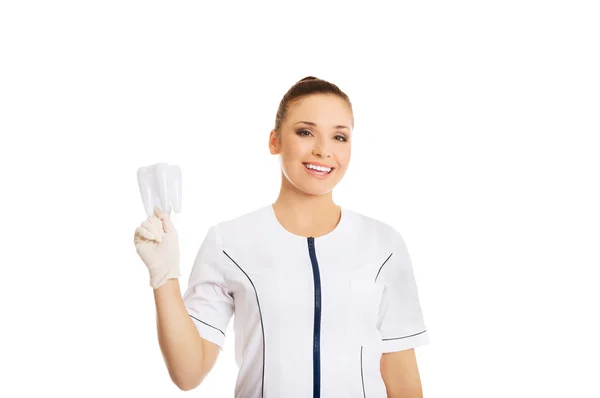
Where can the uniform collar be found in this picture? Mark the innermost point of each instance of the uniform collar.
(337, 231)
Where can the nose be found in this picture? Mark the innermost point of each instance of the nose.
(321, 149)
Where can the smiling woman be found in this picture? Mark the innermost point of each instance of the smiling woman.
(324, 297)
(312, 136)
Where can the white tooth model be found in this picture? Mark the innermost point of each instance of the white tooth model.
(160, 185)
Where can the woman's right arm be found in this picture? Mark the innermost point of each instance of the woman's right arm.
(187, 355)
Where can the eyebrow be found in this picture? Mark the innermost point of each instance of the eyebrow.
(339, 126)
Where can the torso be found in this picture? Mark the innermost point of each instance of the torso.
(306, 303)
(309, 295)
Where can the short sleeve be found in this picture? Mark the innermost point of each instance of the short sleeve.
(400, 322)
(207, 298)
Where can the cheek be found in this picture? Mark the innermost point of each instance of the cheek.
(292, 160)
(343, 157)
(298, 153)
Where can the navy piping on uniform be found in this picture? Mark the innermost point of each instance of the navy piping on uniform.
(386, 260)
(261, 323)
(208, 325)
(361, 371)
(404, 337)
(317, 322)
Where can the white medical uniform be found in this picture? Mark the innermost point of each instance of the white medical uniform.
(312, 315)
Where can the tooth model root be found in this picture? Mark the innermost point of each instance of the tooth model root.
(160, 186)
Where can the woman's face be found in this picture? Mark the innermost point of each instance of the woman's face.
(316, 130)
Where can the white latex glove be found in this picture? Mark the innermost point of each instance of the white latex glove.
(157, 244)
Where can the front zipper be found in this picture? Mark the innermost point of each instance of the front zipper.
(317, 321)
(361, 371)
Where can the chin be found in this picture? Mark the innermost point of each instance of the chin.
(318, 192)
(310, 185)
(316, 188)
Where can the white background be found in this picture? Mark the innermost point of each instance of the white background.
(477, 127)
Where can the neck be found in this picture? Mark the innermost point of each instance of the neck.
(305, 210)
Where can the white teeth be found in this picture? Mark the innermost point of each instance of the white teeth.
(318, 168)
(160, 185)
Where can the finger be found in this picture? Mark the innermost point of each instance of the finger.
(158, 212)
(142, 233)
(154, 220)
(165, 219)
(154, 229)
(168, 225)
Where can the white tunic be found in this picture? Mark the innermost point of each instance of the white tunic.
(312, 315)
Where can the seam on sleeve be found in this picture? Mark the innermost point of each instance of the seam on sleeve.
(404, 337)
(208, 325)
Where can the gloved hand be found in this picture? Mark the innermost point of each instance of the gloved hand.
(157, 243)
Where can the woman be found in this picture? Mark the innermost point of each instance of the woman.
(325, 298)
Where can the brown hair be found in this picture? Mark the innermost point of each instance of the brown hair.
(303, 88)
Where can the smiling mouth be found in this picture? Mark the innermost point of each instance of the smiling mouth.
(318, 171)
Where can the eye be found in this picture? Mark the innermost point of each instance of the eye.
(338, 137)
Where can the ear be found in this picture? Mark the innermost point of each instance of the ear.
(273, 143)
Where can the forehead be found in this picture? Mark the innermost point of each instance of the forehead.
(322, 109)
